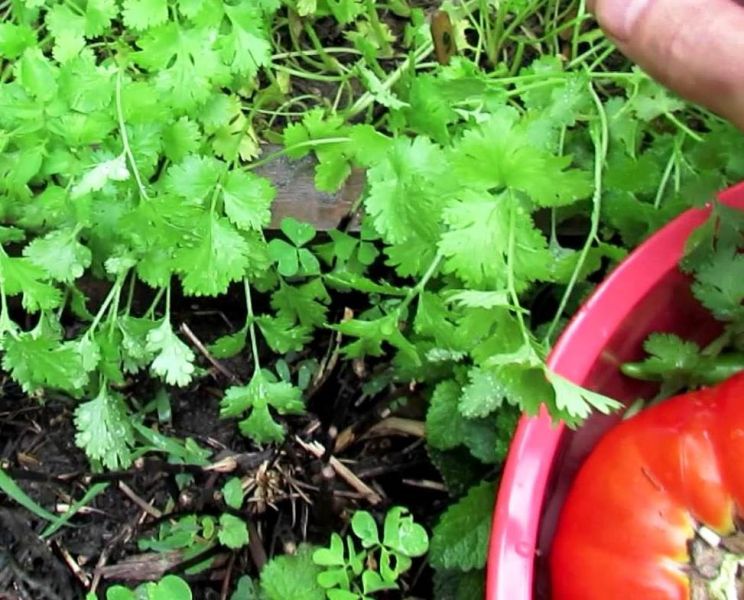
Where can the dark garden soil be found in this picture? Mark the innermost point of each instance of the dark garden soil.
(355, 448)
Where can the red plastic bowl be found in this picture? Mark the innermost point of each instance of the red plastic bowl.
(645, 293)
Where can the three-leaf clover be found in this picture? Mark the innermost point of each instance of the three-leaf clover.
(294, 259)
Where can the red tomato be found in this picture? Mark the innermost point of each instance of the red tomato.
(624, 530)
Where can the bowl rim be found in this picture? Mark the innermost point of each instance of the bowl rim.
(520, 499)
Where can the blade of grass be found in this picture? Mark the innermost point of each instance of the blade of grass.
(15, 493)
(92, 492)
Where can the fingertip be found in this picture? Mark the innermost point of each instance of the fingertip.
(693, 48)
(619, 18)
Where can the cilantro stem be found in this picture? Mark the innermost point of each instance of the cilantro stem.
(168, 301)
(602, 57)
(495, 40)
(366, 99)
(114, 311)
(575, 38)
(329, 62)
(421, 285)
(666, 175)
(113, 293)
(130, 294)
(303, 53)
(377, 29)
(683, 127)
(151, 310)
(251, 325)
(593, 50)
(308, 75)
(125, 138)
(601, 141)
(510, 283)
(298, 146)
(6, 324)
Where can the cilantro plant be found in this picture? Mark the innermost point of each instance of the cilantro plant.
(713, 260)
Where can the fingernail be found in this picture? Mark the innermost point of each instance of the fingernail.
(619, 17)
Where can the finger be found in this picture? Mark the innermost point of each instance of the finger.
(695, 48)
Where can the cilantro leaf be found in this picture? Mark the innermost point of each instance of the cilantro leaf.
(482, 395)
(173, 359)
(134, 346)
(344, 145)
(40, 361)
(411, 170)
(60, 254)
(229, 345)
(282, 335)
(262, 392)
(719, 286)
(218, 257)
(246, 48)
(248, 199)
(143, 14)
(14, 39)
(185, 63)
(37, 75)
(429, 111)
(670, 354)
(194, 177)
(651, 100)
(304, 303)
(477, 246)
(20, 275)
(372, 334)
(498, 154)
(98, 16)
(181, 138)
(577, 403)
(67, 29)
(105, 429)
(460, 538)
(95, 179)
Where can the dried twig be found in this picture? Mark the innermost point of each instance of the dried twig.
(339, 493)
(426, 484)
(149, 566)
(329, 361)
(343, 472)
(255, 546)
(225, 589)
(81, 575)
(398, 426)
(203, 349)
(246, 461)
(145, 506)
(122, 537)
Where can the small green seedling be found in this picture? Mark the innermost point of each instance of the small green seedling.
(349, 574)
(169, 587)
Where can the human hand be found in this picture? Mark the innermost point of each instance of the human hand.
(694, 47)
